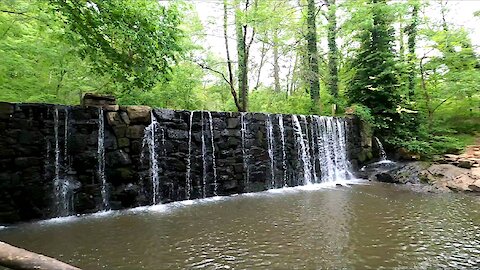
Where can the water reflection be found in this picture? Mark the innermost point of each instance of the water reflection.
(362, 227)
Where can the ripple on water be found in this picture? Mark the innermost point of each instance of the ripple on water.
(364, 226)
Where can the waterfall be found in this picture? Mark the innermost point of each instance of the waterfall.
(65, 136)
(214, 165)
(189, 159)
(62, 195)
(244, 149)
(188, 175)
(164, 150)
(382, 153)
(46, 162)
(269, 127)
(311, 146)
(68, 185)
(342, 144)
(101, 160)
(284, 153)
(320, 143)
(149, 141)
(303, 151)
(332, 154)
(325, 154)
(204, 161)
(58, 185)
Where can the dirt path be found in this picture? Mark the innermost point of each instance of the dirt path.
(474, 149)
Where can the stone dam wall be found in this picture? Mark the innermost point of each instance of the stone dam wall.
(62, 160)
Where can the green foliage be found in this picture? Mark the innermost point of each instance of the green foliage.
(375, 84)
(267, 100)
(417, 146)
(144, 52)
(435, 139)
(37, 65)
(133, 41)
(430, 145)
(364, 113)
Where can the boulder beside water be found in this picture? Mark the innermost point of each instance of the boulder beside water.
(394, 172)
(441, 177)
(453, 178)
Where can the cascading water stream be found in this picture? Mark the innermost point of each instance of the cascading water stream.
(342, 144)
(331, 137)
(149, 141)
(310, 146)
(302, 151)
(188, 176)
(204, 161)
(321, 144)
(67, 184)
(65, 136)
(164, 150)
(325, 154)
(46, 162)
(381, 150)
(63, 198)
(244, 149)
(101, 160)
(60, 203)
(269, 127)
(284, 152)
(214, 165)
(332, 154)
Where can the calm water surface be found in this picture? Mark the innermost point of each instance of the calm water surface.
(366, 226)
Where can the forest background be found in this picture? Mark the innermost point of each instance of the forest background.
(406, 67)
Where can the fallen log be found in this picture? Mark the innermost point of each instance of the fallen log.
(21, 259)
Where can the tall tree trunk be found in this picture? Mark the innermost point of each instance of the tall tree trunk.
(241, 32)
(448, 45)
(412, 36)
(426, 94)
(263, 53)
(312, 54)
(294, 78)
(443, 11)
(229, 61)
(291, 75)
(332, 48)
(401, 37)
(276, 66)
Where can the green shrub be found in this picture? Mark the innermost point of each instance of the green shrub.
(364, 113)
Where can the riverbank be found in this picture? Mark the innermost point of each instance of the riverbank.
(451, 173)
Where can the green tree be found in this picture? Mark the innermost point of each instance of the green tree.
(449, 70)
(412, 44)
(375, 84)
(312, 56)
(241, 28)
(332, 48)
(133, 41)
(38, 65)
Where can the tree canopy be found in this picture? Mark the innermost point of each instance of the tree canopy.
(403, 66)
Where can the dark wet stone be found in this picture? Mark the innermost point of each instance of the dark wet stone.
(27, 169)
(121, 175)
(177, 134)
(123, 142)
(135, 132)
(385, 177)
(25, 162)
(120, 131)
(233, 123)
(118, 158)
